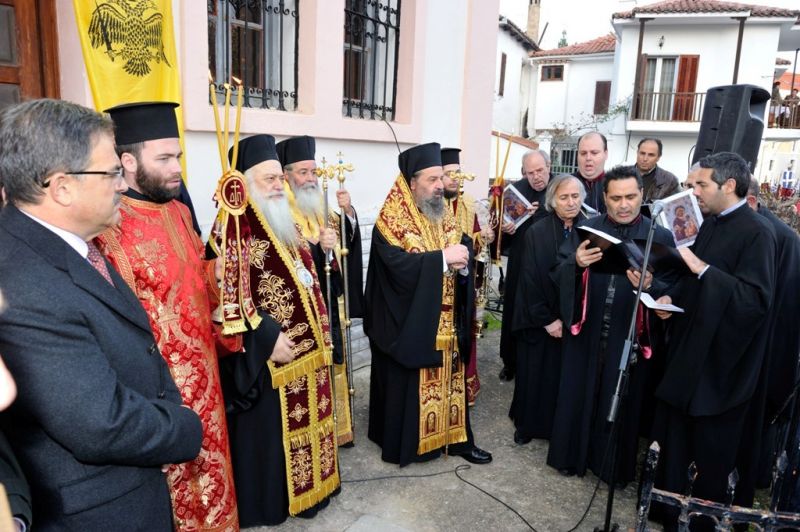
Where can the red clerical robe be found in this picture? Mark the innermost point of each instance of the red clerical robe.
(159, 255)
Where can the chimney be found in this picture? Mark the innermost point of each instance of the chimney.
(532, 29)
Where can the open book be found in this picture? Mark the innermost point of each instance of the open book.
(619, 255)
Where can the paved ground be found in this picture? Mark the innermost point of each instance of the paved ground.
(518, 476)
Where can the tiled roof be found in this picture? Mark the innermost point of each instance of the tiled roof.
(599, 45)
(706, 6)
(782, 61)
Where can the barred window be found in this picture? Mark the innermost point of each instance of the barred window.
(371, 37)
(256, 42)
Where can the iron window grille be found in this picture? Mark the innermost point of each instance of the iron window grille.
(371, 38)
(256, 42)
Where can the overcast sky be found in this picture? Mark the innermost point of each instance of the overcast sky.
(584, 20)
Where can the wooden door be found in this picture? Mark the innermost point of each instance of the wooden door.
(28, 50)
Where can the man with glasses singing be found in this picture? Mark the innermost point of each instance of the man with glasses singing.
(160, 256)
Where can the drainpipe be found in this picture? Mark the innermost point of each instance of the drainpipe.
(738, 48)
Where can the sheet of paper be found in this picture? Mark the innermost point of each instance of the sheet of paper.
(649, 302)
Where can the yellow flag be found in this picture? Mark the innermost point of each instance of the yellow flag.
(129, 51)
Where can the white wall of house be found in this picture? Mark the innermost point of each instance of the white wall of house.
(508, 109)
(570, 101)
(446, 47)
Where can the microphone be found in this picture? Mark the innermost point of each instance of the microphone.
(656, 208)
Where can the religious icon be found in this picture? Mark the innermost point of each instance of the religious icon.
(430, 423)
(454, 415)
(682, 217)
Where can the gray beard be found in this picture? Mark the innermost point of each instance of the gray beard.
(432, 208)
(279, 217)
(309, 200)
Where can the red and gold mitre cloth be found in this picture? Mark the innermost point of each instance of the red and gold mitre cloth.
(304, 385)
(157, 252)
(441, 390)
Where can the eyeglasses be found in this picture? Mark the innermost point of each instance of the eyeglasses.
(116, 174)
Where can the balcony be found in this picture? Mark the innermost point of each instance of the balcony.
(785, 116)
(668, 106)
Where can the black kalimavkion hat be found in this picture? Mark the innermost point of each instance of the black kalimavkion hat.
(419, 158)
(450, 156)
(296, 149)
(141, 121)
(254, 150)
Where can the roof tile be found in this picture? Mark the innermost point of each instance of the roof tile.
(705, 6)
(606, 43)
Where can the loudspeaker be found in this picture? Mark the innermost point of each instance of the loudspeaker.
(733, 120)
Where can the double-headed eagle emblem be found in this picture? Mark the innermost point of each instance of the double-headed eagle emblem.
(121, 27)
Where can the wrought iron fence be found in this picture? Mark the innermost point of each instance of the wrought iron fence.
(256, 42)
(563, 157)
(371, 39)
(724, 516)
(669, 106)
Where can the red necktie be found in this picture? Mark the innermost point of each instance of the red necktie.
(96, 260)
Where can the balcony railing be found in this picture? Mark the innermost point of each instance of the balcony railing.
(669, 106)
(784, 116)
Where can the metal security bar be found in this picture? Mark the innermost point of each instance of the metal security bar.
(564, 157)
(371, 37)
(723, 516)
(256, 42)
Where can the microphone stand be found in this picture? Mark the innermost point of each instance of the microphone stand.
(629, 348)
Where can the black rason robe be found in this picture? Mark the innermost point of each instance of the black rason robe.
(589, 372)
(512, 246)
(538, 353)
(403, 302)
(715, 355)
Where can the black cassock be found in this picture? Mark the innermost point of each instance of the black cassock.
(403, 303)
(590, 364)
(355, 281)
(782, 351)
(538, 353)
(512, 246)
(715, 357)
(594, 192)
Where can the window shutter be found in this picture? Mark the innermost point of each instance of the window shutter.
(687, 83)
(602, 95)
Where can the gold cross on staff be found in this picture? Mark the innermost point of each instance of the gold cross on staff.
(340, 168)
(460, 176)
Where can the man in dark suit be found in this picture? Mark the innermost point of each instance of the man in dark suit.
(97, 414)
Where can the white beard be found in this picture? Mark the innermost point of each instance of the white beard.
(275, 208)
(309, 200)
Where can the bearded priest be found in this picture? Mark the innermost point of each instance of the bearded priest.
(278, 391)
(419, 299)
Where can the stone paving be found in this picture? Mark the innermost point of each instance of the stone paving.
(436, 500)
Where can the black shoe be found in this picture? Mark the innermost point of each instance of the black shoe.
(476, 456)
(506, 374)
(567, 472)
(519, 439)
